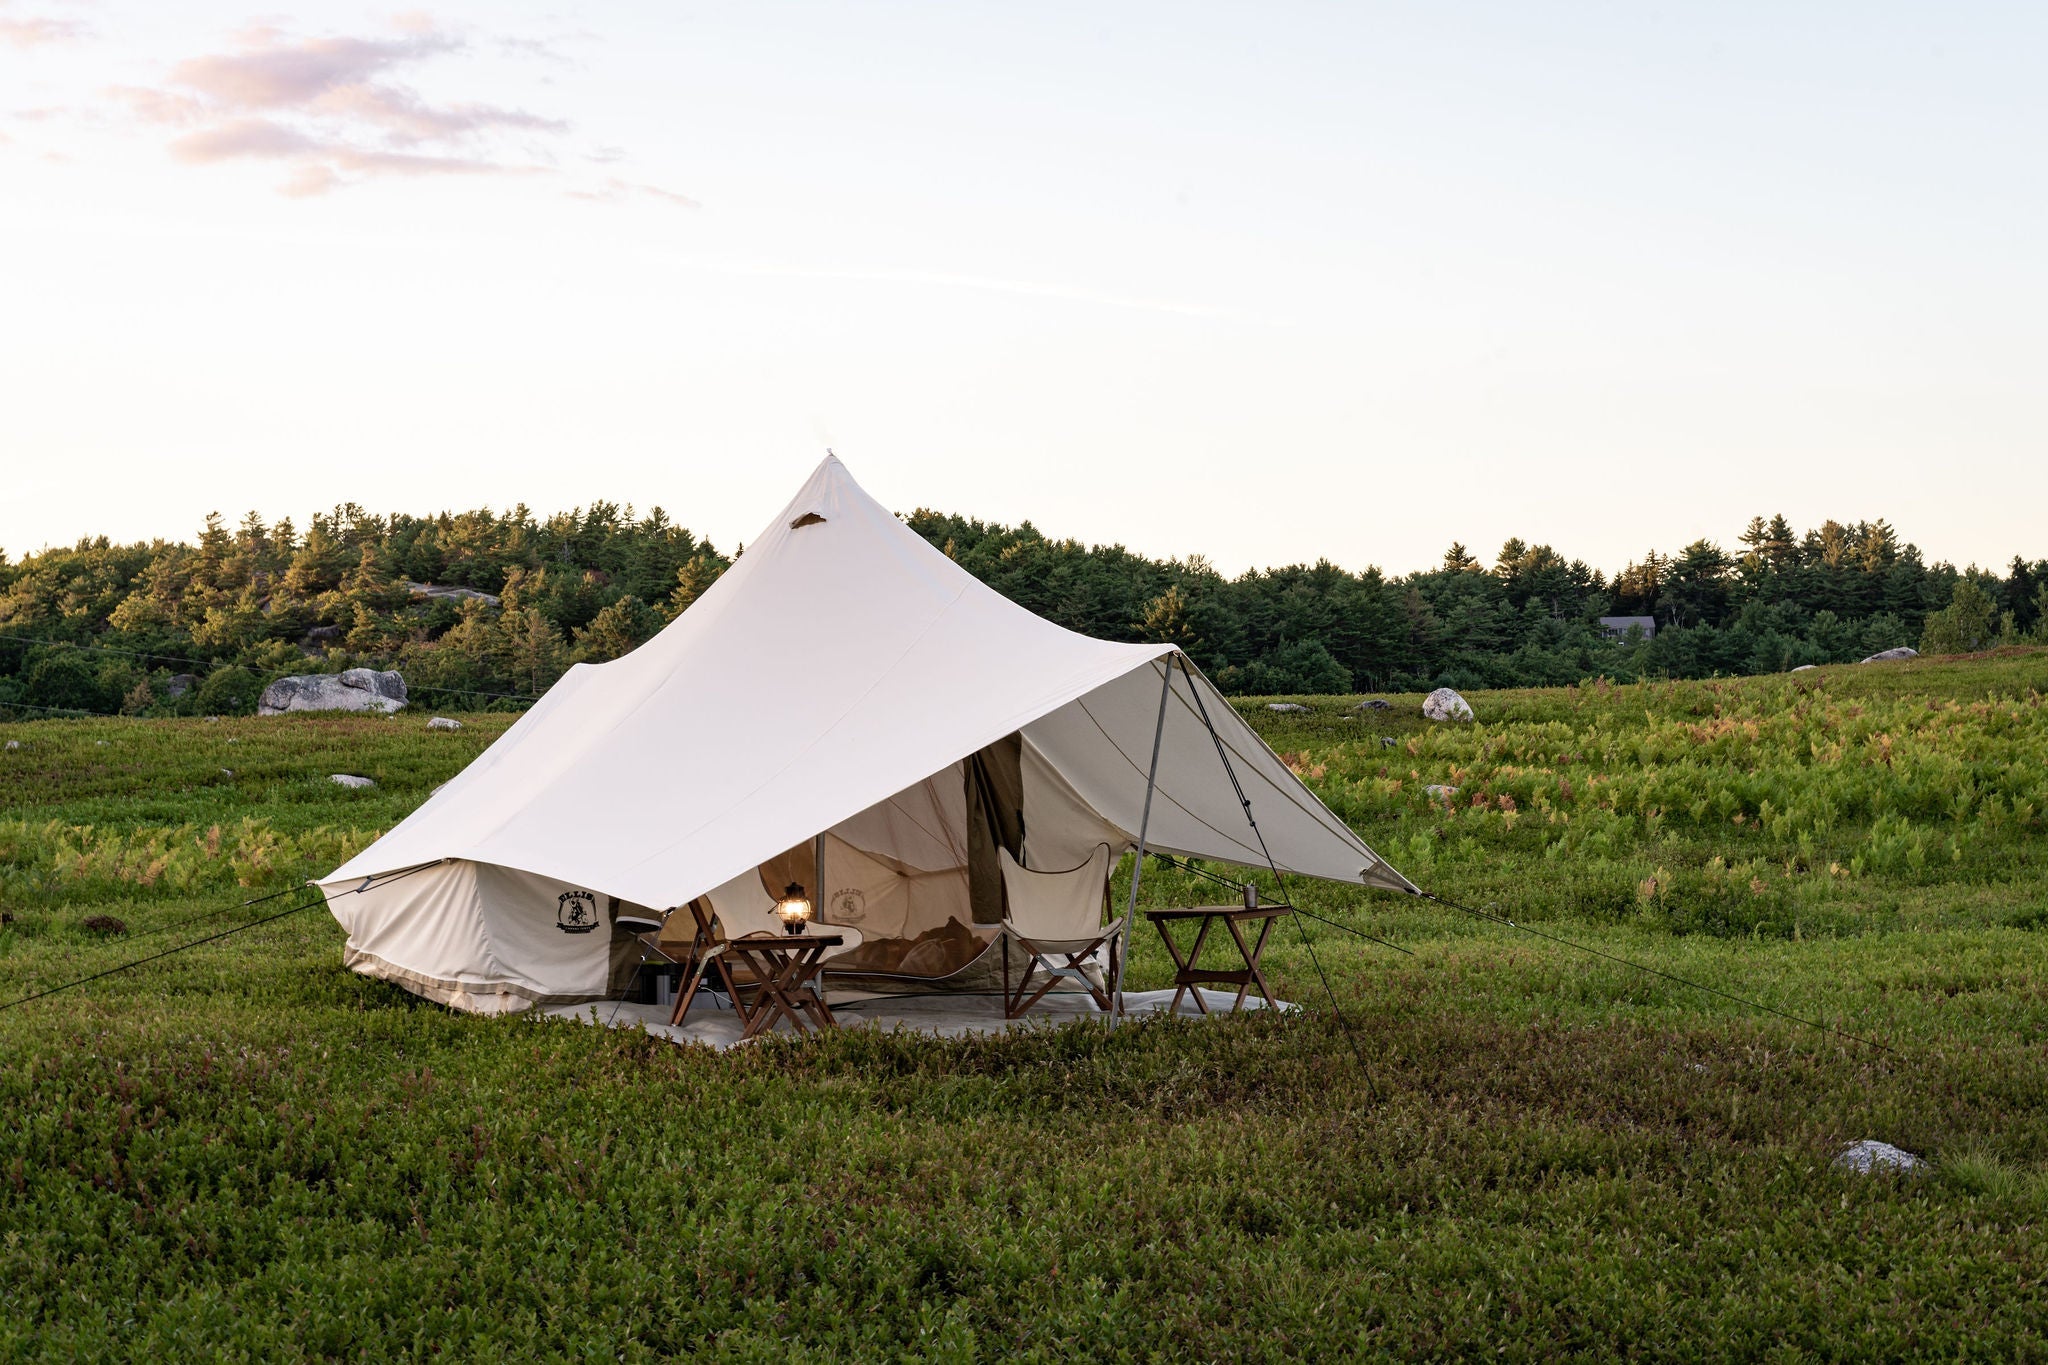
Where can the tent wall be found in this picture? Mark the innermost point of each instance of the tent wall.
(489, 940)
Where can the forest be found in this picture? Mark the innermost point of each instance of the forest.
(169, 628)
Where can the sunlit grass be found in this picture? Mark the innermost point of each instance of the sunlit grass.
(246, 1150)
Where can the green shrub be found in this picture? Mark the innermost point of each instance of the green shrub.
(231, 691)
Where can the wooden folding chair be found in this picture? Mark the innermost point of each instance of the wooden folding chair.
(706, 954)
(1058, 915)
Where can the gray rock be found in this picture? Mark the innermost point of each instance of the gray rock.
(1438, 792)
(350, 780)
(1869, 1156)
(1887, 655)
(356, 689)
(436, 592)
(227, 772)
(443, 723)
(1284, 706)
(12, 745)
(178, 684)
(1374, 704)
(1803, 667)
(1444, 704)
(1387, 741)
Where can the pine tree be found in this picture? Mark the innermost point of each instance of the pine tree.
(616, 631)
(319, 564)
(1166, 620)
(699, 573)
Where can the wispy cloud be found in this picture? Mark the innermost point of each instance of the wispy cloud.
(615, 190)
(34, 30)
(546, 49)
(331, 111)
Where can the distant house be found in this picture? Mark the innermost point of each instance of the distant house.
(1617, 627)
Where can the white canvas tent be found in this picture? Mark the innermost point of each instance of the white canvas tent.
(842, 679)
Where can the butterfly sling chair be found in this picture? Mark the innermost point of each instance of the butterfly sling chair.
(1058, 915)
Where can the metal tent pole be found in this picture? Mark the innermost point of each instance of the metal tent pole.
(1116, 988)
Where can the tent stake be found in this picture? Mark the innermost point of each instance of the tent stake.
(1116, 989)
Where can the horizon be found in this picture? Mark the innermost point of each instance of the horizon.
(1615, 278)
(1487, 558)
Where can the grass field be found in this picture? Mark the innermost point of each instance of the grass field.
(245, 1152)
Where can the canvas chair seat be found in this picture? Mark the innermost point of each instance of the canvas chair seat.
(1059, 915)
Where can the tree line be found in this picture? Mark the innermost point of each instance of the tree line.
(177, 628)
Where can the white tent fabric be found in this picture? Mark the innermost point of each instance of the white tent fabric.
(826, 682)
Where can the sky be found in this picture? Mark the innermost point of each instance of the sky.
(1262, 282)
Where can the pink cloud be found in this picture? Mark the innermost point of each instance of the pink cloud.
(404, 115)
(316, 166)
(332, 111)
(273, 72)
(159, 106)
(251, 137)
(35, 30)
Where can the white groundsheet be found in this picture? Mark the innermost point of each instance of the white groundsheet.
(711, 1023)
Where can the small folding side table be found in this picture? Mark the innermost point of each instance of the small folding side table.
(1190, 977)
(785, 966)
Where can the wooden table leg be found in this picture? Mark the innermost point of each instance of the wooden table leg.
(1180, 965)
(733, 990)
(810, 995)
(785, 991)
(1193, 987)
(770, 1003)
(793, 1007)
(750, 1018)
(1251, 962)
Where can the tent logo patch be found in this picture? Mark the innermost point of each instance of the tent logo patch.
(849, 906)
(576, 912)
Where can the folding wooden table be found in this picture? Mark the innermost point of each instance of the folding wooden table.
(783, 968)
(786, 966)
(1188, 976)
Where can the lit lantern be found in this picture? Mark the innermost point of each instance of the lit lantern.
(794, 908)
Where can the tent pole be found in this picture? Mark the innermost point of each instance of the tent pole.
(1116, 987)
(818, 874)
